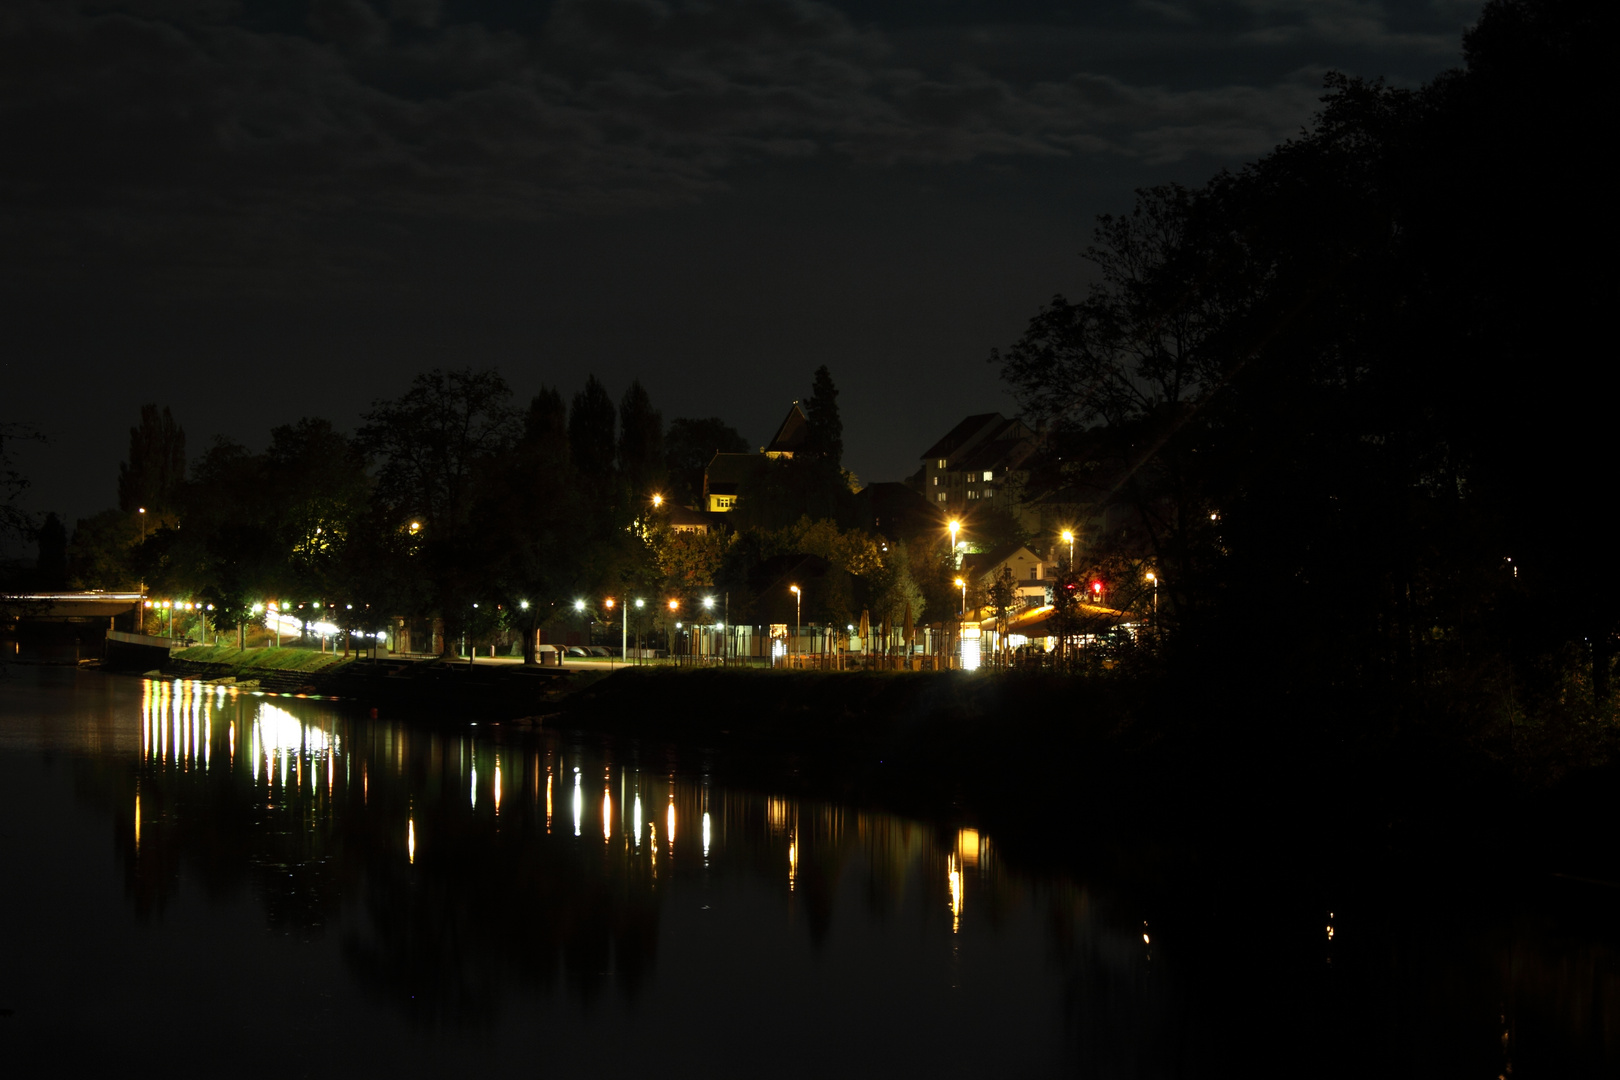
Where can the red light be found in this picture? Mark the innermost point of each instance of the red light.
(1096, 587)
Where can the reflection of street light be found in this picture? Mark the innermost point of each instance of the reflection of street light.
(798, 600)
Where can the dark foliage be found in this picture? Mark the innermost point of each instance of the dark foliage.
(1340, 396)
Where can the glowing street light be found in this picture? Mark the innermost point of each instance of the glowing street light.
(798, 601)
(961, 583)
(1068, 538)
(658, 500)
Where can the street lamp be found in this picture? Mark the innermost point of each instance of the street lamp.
(961, 583)
(1153, 579)
(141, 629)
(624, 628)
(708, 605)
(658, 500)
(1068, 538)
(954, 526)
(798, 601)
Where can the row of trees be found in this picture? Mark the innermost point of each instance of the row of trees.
(451, 502)
(1347, 398)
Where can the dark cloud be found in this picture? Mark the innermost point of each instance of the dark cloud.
(607, 105)
(260, 209)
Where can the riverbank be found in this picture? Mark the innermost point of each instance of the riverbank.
(420, 687)
(1219, 775)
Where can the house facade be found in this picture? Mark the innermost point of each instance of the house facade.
(727, 472)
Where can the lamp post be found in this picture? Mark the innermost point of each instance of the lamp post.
(624, 630)
(140, 609)
(639, 605)
(1153, 579)
(1068, 538)
(798, 600)
(954, 525)
(708, 605)
(674, 635)
(961, 583)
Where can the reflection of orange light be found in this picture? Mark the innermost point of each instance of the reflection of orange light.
(967, 842)
(953, 876)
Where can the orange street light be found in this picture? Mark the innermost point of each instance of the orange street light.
(658, 500)
(798, 621)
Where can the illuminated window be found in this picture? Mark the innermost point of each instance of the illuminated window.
(941, 463)
(973, 494)
(989, 492)
(936, 481)
(940, 497)
(987, 473)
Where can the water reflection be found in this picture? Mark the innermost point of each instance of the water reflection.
(464, 912)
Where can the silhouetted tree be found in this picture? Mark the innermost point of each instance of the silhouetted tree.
(825, 438)
(52, 564)
(156, 466)
(437, 447)
(689, 446)
(590, 430)
(641, 444)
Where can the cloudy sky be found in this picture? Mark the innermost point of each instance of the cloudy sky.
(256, 210)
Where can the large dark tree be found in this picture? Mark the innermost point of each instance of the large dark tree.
(641, 443)
(590, 431)
(689, 446)
(438, 447)
(52, 565)
(824, 440)
(1321, 395)
(152, 475)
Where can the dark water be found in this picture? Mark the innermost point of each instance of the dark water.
(221, 884)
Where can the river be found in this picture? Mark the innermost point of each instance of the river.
(219, 883)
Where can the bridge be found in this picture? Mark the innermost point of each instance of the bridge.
(64, 627)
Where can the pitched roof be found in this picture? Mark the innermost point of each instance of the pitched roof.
(982, 563)
(1004, 451)
(726, 471)
(792, 434)
(964, 434)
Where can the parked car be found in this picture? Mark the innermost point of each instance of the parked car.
(597, 650)
(576, 652)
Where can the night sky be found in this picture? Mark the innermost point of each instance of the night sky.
(256, 210)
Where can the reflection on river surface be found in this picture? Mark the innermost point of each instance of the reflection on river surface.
(303, 890)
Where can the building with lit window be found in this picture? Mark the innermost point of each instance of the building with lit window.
(979, 464)
(728, 472)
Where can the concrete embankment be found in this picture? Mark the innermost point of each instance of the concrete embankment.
(391, 686)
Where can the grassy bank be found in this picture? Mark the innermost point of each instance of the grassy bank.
(260, 659)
